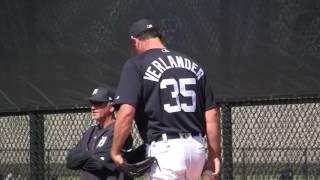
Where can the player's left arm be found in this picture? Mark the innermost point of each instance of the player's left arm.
(122, 130)
(213, 131)
(214, 139)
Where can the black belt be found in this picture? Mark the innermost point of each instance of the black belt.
(177, 136)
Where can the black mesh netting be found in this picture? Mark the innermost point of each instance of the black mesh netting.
(53, 52)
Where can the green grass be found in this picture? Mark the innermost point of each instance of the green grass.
(274, 177)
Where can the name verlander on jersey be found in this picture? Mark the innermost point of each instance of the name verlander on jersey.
(159, 66)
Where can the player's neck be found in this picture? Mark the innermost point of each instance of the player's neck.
(106, 122)
(154, 43)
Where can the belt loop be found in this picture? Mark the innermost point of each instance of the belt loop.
(203, 141)
(189, 135)
(153, 143)
(164, 137)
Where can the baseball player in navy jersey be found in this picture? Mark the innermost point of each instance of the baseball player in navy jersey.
(168, 95)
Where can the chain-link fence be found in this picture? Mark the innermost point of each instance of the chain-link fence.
(271, 139)
(261, 139)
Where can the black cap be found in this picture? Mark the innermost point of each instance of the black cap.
(140, 26)
(101, 94)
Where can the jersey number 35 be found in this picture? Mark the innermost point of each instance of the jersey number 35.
(179, 87)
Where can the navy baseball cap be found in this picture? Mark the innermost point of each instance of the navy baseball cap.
(101, 94)
(140, 26)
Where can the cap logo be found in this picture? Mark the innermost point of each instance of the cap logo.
(149, 26)
(110, 98)
(165, 50)
(95, 91)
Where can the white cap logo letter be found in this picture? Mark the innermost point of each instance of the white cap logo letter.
(95, 91)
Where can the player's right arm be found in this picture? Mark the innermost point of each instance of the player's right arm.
(212, 118)
(122, 130)
(127, 97)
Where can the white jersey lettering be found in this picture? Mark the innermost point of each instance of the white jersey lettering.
(159, 66)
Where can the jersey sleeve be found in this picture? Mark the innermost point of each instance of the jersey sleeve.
(129, 87)
(77, 156)
(210, 101)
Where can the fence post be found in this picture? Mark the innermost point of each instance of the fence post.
(305, 163)
(243, 163)
(227, 165)
(37, 163)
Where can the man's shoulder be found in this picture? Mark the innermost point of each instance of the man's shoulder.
(132, 61)
(91, 128)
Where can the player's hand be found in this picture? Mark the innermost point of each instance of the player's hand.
(212, 168)
(117, 158)
(216, 167)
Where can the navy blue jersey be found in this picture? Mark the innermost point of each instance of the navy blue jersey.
(92, 155)
(169, 91)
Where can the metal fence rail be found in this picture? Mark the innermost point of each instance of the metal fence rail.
(261, 139)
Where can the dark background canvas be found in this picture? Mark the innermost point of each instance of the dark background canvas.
(53, 53)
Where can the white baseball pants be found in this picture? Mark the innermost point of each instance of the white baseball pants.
(179, 159)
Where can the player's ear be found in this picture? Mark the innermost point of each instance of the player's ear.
(112, 109)
(135, 42)
(134, 45)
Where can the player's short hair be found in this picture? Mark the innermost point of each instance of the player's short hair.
(148, 34)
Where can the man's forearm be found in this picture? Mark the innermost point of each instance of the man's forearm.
(213, 132)
(75, 160)
(122, 128)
